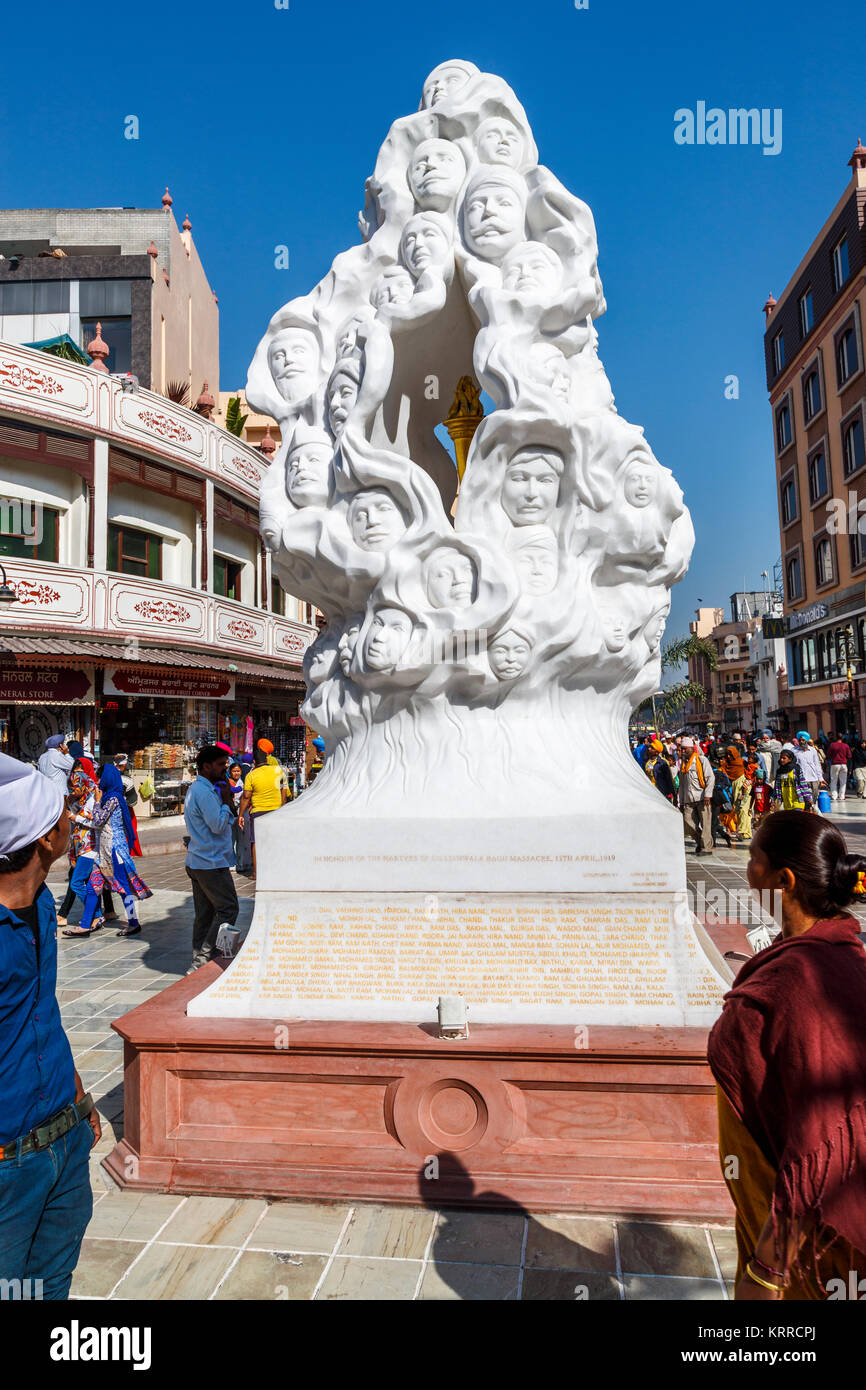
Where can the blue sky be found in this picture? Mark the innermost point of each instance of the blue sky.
(266, 122)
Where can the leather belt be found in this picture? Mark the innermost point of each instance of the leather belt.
(53, 1129)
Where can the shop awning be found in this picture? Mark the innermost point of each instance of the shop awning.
(78, 650)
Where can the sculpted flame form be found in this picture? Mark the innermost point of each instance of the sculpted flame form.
(483, 662)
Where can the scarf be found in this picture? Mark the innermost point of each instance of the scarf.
(789, 1052)
(699, 768)
(111, 784)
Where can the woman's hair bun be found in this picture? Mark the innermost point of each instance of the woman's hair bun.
(844, 876)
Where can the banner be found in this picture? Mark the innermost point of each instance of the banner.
(36, 685)
(176, 685)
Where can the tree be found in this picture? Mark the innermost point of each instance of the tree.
(675, 654)
(234, 420)
(177, 391)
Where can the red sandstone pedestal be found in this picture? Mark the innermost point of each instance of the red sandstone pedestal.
(618, 1120)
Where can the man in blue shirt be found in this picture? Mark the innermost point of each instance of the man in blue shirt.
(47, 1124)
(210, 814)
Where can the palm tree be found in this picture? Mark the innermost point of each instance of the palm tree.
(664, 705)
(234, 420)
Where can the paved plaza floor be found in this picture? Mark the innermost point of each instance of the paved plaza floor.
(153, 1246)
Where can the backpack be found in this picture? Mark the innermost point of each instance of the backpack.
(722, 791)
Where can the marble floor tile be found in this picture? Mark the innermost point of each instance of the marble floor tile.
(569, 1286)
(172, 1272)
(130, 1216)
(570, 1242)
(266, 1275)
(469, 1283)
(380, 1280)
(398, 1232)
(299, 1226)
(101, 1263)
(725, 1243)
(485, 1237)
(647, 1247)
(214, 1221)
(647, 1289)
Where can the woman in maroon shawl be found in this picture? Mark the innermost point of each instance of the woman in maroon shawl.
(789, 1058)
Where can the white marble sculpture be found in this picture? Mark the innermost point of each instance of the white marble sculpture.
(475, 679)
(568, 533)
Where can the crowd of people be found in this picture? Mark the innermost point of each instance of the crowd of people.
(726, 786)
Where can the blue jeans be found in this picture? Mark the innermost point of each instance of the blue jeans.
(45, 1205)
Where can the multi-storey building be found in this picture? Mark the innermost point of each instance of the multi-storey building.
(145, 614)
(130, 270)
(815, 374)
(734, 701)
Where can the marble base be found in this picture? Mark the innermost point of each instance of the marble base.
(619, 959)
(613, 1120)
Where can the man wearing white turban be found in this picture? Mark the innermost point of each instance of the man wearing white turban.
(47, 1124)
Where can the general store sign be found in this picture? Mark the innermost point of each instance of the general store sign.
(35, 685)
(180, 685)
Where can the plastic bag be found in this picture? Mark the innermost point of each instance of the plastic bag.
(147, 788)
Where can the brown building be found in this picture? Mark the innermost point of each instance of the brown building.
(815, 375)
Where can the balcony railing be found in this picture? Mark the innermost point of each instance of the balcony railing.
(97, 602)
(90, 402)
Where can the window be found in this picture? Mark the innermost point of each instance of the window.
(840, 263)
(28, 531)
(117, 333)
(823, 561)
(104, 298)
(811, 394)
(807, 314)
(34, 297)
(134, 552)
(817, 476)
(783, 428)
(793, 577)
(778, 352)
(788, 493)
(278, 598)
(846, 355)
(226, 577)
(853, 451)
(856, 550)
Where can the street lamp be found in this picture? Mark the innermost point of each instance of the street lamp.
(7, 593)
(655, 716)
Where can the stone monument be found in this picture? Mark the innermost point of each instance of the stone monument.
(480, 827)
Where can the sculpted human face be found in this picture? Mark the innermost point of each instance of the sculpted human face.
(537, 564)
(348, 642)
(508, 655)
(531, 488)
(531, 269)
(436, 174)
(450, 579)
(443, 81)
(387, 639)
(394, 286)
(655, 630)
(424, 244)
(375, 520)
(342, 395)
(548, 365)
(500, 142)
(641, 484)
(321, 659)
(293, 358)
(307, 475)
(494, 220)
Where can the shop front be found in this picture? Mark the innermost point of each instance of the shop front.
(38, 701)
(827, 661)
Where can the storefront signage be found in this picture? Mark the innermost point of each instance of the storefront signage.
(35, 685)
(839, 692)
(807, 616)
(178, 685)
(772, 628)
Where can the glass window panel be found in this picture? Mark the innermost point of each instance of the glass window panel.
(104, 297)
